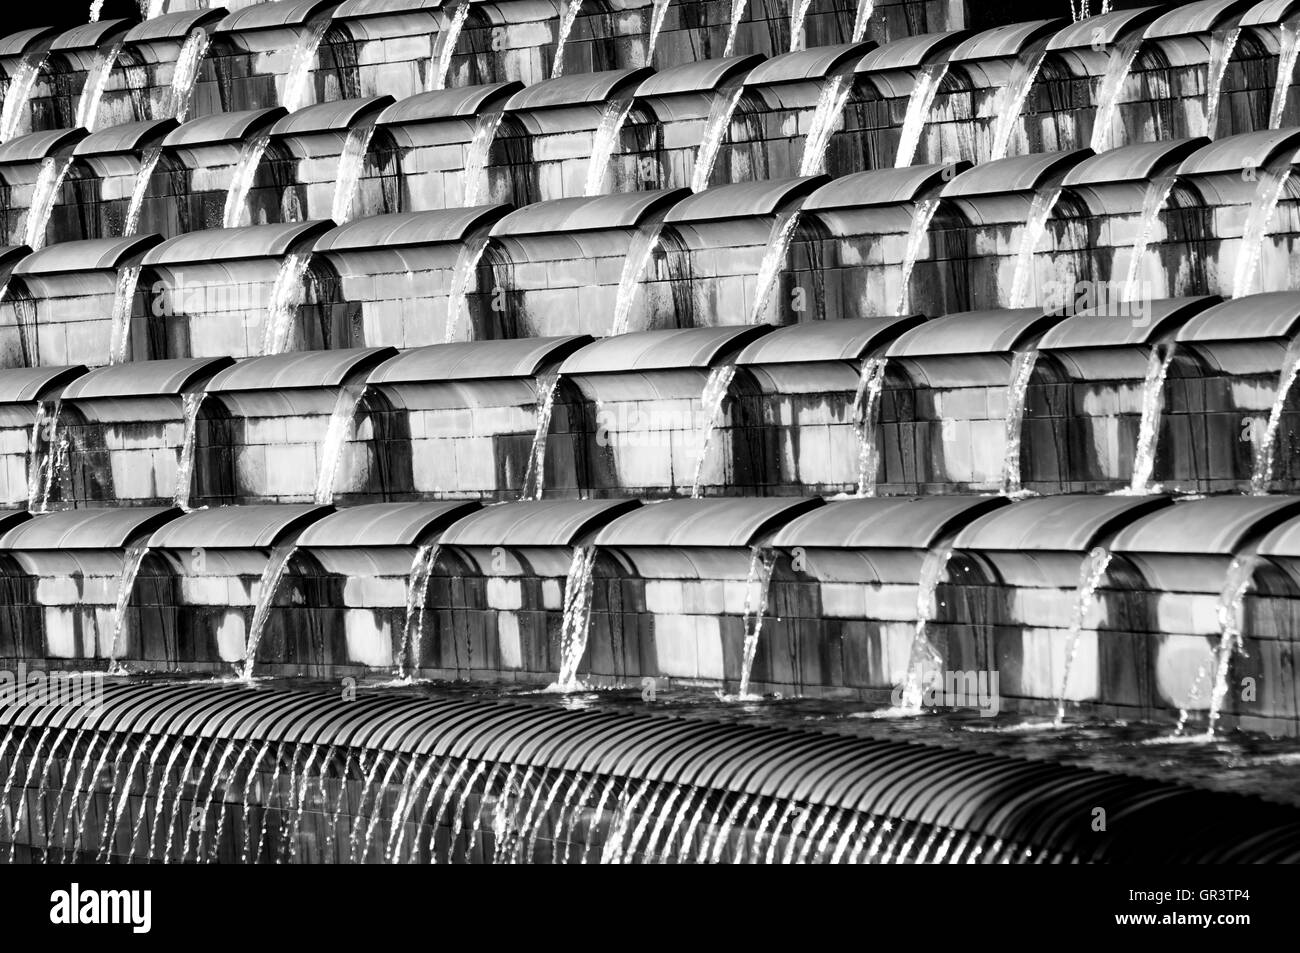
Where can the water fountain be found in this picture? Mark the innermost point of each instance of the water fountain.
(190, 405)
(1222, 43)
(568, 16)
(919, 103)
(18, 95)
(337, 432)
(923, 651)
(476, 156)
(576, 623)
(866, 415)
(798, 14)
(131, 562)
(639, 253)
(1040, 213)
(1240, 578)
(733, 27)
(1022, 369)
(1010, 101)
(1288, 54)
(535, 477)
(267, 588)
(287, 292)
(417, 593)
(711, 400)
(297, 78)
(148, 162)
(186, 73)
(444, 47)
(657, 15)
(43, 454)
(96, 82)
(1268, 193)
(128, 276)
(758, 583)
(1266, 444)
(1153, 402)
(862, 19)
(241, 180)
(603, 144)
(922, 218)
(1120, 65)
(769, 268)
(1091, 571)
(1153, 204)
(716, 126)
(49, 183)
(351, 163)
(826, 115)
(467, 259)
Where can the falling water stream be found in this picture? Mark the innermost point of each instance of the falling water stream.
(711, 400)
(922, 217)
(657, 16)
(241, 180)
(758, 582)
(1040, 213)
(866, 415)
(862, 19)
(287, 294)
(467, 259)
(417, 594)
(733, 27)
(267, 588)
(579, 586)
(96, 82)
(1091, 571)
(128, 276)
(1153, 402)
(1288, 54)
(769, 268)
(1010, 100)
(640, 251)
(1222, 43)
(548, 386)
(1268, 194)
(1118, 68)
(716, 126)
(923, 651)
(445, 45)
(478, 153)
(18, 95)
(1153, 204)
(43, 455)
(1022, 369)
(190, 405)
(603, 144)
(1266, 444)
(337, 432)
(148, 162)
(919, 104)
(1232, 598)
(49, 181)
(297, 78)
(131, 562)
(568, 16)
(351, 163)
(826, 116)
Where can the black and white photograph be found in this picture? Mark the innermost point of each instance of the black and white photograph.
(657, 433)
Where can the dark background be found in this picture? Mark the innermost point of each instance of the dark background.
(18, 15)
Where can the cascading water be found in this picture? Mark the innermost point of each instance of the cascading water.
(568, 16)
(1153, 403)
(417, 594)
(128, 276)
(1022, 369)
(186, 73)
(1040, 213)
(866, 414)
(758, 583)
(190, 405)
(477, 154)
(43, 455)
(579, 586)
(467, 259)
(1266, 443)
(337, 432)
(733, 27)
(131, 562)
(548, 386)
(778, 243)
(287, 294)
(639, 252)
(444, 48)
(711, 400)
(603, 144)
(96, 8)
(18, 95)
(716, 126)
(798, 15)
(657, 15)
(1118, 68)
(826, 116)
(1288, 54)
(1232, 598)
(148, 162)
(1153, 204)
(862, 19)
(1268, 193)
(241, 180)
(267, 588)
(101, 68)
(297, 78)
(919, 104)
(922, 217)
(1222, 43)
(351, 163)
(1010, 101)
(1091, 572)
(933, 568)
(49, 181)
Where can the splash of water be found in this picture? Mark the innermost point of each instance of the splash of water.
(1091, 571)
(1022, 369)
(778, 243)
(351, 163)
(477, 154)
(1118, 68)
(733, 27)
(1153, 403)
(923, 650)
(1232, 598)
(866, 415)
(1288, 54)
(297, 79)
(190, 404)
(712, 399)
(128, 276)
(1222, 43)
(18, 95)
(716, 126)
(1010, 100)
(241, 180)
(604, 142)
(467, 259)
(101, 68)
(826, 116)
(148, 162)
(1268, 193)
(758, 583)
(548, 386)
(579, 586)
(267, 588)
(287, 294)
(1040, 213)
(337, 432)
(657, 16)
(568, 16)
(49, 181)
(186, 73)
(922, 217)
(919, 104)
(417, 594)
(131, 562)
(1266, 445)
(862, 19)
(445, 45)
(639, 252)
(1153, 203)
